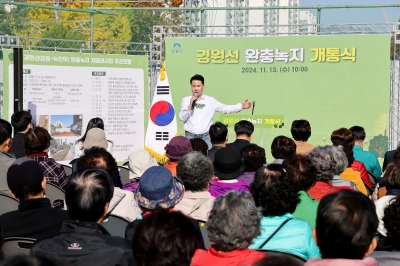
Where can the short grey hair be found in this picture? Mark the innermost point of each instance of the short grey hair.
(340, 159)
(234, 221)
(195, 170)
(323, 159)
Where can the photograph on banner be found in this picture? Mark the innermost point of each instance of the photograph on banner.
(64, 91)
(332, 81)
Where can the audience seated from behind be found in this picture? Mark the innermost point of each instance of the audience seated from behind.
(93, 123)
(341, 165)
(175, 149)
(96, 137)
(232, 225)
(368, 158)
(6, 159)
(218, 137)
(228, 166)
(281, 148)
(21, 122)
(301, 132)
(244, 133)
(253, 158)
(122, 203)
(34, 218)
(299, 168)
(275, 192)
(345, 138)
(36, 145)
(323, 159)
(139, 161)
(195, 170)
(25, 260)
(158, 188)
(389, 254)
(391, 179)
(165, 238)
(199, 145)
(84, 241)
(346, 224)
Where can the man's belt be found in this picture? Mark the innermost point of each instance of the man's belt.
(187, 133)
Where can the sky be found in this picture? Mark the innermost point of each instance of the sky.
(65, 119)
(364, 15)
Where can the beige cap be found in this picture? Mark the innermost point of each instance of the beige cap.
(140, 161)
(95, 138)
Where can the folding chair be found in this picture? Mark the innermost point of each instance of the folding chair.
(124, 174)
(115, 225)
(7, 203)
(54, 192)
(17, 246)
(67, 169)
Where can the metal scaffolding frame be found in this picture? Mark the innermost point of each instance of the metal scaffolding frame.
(82, 46)
(161, 32)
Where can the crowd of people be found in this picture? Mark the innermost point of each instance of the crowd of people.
(310, 205)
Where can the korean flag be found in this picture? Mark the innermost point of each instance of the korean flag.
(162, 124)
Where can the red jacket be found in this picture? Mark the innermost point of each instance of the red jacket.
(245, 257)
(320, 189)
(359, 167)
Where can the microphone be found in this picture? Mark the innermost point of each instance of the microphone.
(194, 102)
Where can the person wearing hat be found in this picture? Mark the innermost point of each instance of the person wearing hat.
(158, 188)
(175, 149)
(36, 145)
(35, 218)
(139, 161)
(96, 122)
(96, 137)
(228, 166)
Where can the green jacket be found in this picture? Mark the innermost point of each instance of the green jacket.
(306, 210)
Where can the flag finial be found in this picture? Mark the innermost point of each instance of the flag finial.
(162, 69)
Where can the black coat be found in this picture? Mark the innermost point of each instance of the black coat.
(34, 219)
(85, 243)
(238, 144)
(17, 147)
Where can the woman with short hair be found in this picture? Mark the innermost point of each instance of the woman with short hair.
(274, 191)
(195, 170)
(232, 225)
(253, 158)
(323, 159)
(36, 146)
(281, 148)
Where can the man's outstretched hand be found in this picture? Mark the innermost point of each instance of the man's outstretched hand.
(246, 104)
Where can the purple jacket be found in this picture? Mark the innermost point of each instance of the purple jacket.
(247, 177)
(220, 188)
(131, 186)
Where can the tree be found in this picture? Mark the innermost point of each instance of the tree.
(13, 19)
(60, 31)
(378, 145)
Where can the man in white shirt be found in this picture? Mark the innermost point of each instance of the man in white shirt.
(197, 110)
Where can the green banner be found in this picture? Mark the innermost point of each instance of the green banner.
(64, 91)
(259, 121)
(332, 81)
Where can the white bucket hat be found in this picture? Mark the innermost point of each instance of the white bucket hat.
(140, 161)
